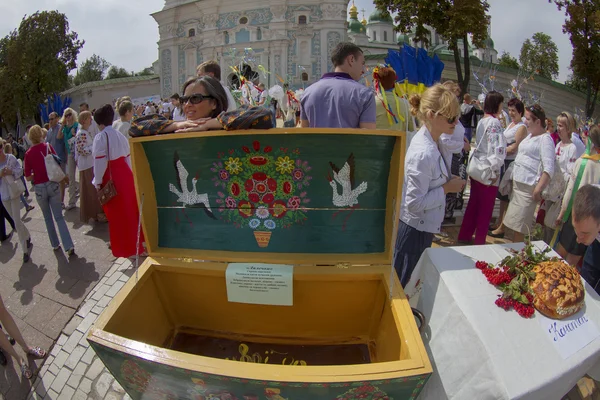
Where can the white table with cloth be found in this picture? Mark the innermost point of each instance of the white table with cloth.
(478, 350)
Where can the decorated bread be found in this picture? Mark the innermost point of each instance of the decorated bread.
(558, 291)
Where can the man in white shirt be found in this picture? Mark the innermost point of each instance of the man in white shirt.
(212, 68)
(586, 222)
(262, 97)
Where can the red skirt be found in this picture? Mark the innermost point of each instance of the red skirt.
(122, 211)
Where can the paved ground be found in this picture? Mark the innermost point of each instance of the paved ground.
(44, 294)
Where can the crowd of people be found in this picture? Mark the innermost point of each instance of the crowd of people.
(515, 157)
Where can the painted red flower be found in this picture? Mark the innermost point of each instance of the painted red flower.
(261, 187)
(254, 197)
(235, 189)
(246, 149)
(272, 183)
(268, 149)
(230, 202)
(287, 187)
(268, 198)
(258, 160)
(278, 209)
(246, 209)
(256, 145)
(259, 176)
(294, 203)
(249, 185)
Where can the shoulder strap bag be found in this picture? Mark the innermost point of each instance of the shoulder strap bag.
(107, 192)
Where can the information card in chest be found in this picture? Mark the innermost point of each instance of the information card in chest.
(254, 283)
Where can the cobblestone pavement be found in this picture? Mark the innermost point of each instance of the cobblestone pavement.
(72, 370)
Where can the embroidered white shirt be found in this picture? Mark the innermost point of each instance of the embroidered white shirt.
(534, 151)
(119, 147)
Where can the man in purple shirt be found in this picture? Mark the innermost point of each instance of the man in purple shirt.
(338, 100)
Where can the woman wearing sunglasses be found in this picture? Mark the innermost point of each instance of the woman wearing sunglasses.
(204, 103)
(427, 179)
(533, 170)
(487, 160)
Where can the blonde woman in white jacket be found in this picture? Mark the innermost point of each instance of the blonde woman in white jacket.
(427, 179)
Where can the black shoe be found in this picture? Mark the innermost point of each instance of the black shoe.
(26, 258)
(71, 252)
(11, 340)
(29, 244)
(3, 360)
(496, 235)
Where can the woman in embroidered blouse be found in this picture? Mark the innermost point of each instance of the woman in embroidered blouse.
(9, 167)
(204, 104)
(534, 167)
(490, 153)
(69, 130)
(426, 178)
(112, 162)
(89, 206)
(514, 134)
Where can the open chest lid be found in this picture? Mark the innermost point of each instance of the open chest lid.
(301, 196)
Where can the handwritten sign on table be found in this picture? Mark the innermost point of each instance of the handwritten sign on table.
(571, 334)
(270, 284)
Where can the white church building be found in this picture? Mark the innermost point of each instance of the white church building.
(290, 40)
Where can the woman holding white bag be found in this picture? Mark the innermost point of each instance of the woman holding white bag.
(11, 188)
(47, 191)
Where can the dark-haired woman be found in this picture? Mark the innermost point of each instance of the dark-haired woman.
(534, 167)
(204, 105)
(112, 162)
(514, 134)
(488, 157)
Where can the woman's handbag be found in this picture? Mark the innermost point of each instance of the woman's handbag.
(53, 169)
(15, 187)
(108, 191)
(478, 169)
(505, 187)
(557, 186)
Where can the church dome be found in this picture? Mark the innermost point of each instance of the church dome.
(354, 26)
(402, 38)
(377, 16)
(489, 43)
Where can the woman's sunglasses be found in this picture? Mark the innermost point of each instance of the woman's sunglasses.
(450, 120)
(195, 98)
(68, 115)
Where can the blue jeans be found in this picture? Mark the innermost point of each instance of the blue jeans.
(48, 197)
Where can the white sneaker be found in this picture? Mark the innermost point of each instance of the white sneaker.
(70, 207)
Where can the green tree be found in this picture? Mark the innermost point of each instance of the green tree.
(35, 61)
(506, 60)
(454, 20)
(576, 82)
(145, 72)
(539, 55)
(583, 26)
(91, 70)
(117, 72)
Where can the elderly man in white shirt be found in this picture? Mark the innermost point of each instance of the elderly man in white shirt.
(212, 68)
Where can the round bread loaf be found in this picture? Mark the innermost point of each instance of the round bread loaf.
(557, 288)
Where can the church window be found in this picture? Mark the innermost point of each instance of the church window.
(226, 37)
(304, 77)
(192, 32)
(374, 36)
(243, 20)
(385, 36)
(302, 20)
(258, 34)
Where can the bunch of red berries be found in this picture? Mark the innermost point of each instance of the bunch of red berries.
(495, 276)
(524, 310)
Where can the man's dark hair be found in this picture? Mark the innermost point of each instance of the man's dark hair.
(492, 102)
(86, 105)
(587, 203)
(210, 67)
(104, 115)
(175, 96)
(342, 51)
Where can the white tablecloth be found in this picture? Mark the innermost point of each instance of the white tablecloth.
(478, 350)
